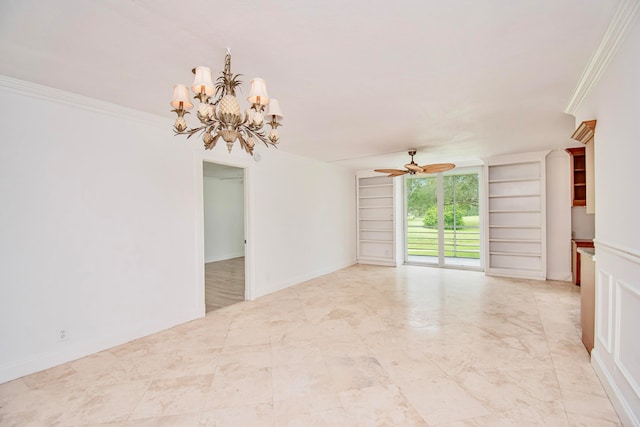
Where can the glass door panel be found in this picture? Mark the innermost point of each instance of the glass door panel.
(422, 220)
(461, 218)
(443, 219)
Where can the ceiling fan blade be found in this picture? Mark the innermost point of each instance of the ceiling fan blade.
(438, 167)
(394, 171)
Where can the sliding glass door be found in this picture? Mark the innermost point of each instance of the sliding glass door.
(443, 219)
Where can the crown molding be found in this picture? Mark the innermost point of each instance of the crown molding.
(623, 17)
(34, 90)
(585, 132)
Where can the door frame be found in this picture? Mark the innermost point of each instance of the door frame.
(248, 229)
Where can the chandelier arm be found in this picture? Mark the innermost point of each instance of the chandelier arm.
(244, 144)
(260, 135)
(190, 132)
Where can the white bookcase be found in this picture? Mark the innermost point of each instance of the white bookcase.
(516, 225)
(377, 219)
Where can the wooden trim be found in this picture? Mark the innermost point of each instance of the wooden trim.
(584, 133)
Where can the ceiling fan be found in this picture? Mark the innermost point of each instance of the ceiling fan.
(413, 168)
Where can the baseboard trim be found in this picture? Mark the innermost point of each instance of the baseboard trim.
(615, 396)
(224, 257)
(306, 277)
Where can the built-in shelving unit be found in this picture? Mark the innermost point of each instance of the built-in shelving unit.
(376, 220)
(578, 176)
(516, 216)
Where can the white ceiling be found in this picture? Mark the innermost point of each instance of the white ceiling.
(457, 79)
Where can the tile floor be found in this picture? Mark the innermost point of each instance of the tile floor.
(364, 346)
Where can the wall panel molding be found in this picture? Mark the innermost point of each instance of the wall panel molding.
(620, 251)
(627, 346)
(604, 301)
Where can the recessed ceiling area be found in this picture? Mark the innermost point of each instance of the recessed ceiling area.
(359, 82)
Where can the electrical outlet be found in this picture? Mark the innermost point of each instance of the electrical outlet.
(63, 335)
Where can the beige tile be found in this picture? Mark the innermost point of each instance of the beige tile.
(235, 386)
(335, 417)
(248, 336)
(248, 356)
(408, 365)
(349, 373)
(586, 421)
(361, 346)
(551, 415)
(171, 396)
(379, 406)
(443, 400)
(301, 380)
(304, 404)
(589, 405)
(181, 420)
(504, 390)
(252, 415)
(105, 403)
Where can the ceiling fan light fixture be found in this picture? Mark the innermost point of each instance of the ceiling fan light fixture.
(413, 168)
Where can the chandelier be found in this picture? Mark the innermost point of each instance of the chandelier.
(219, 110)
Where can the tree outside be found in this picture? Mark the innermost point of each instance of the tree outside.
(461, 216)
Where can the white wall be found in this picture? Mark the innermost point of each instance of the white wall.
(558, 216)
(583, 225)
(223, 218)
(305, 216)
(615, 104)
(101, 225)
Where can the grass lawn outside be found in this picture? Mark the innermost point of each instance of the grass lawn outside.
(461, 243)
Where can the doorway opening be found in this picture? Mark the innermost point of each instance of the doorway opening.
(442, 221)
(224, 235)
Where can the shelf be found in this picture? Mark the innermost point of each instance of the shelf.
(580, 184)
(500, 196)
(493, 181)
(579, 170)
(389, 196)
(534, 227)
(515, 211)
(375, 200)
(377, 185)
(519, 254)
(516, 240)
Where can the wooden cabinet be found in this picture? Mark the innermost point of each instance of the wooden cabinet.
(585, 133)
(587, 297)
(575, 259)
(578, 176)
